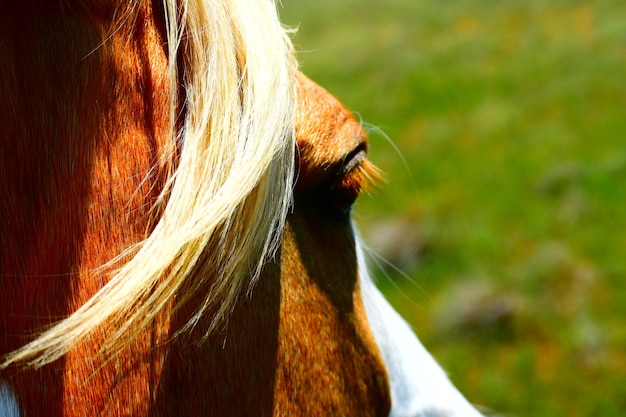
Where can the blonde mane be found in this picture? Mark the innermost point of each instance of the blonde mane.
(229, 194)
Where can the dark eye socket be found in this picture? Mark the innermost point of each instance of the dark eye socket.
(351, 176)
(332, 198)
(340, 200)
(345, 188)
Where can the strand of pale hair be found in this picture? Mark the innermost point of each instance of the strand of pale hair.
(231, 188)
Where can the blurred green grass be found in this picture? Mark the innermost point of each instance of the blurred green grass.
(504, 204)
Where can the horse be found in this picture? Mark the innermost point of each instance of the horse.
(175, 229)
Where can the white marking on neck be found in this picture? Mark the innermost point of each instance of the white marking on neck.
(8, 403)
(419, 387)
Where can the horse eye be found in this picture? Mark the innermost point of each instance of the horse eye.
(354, 173)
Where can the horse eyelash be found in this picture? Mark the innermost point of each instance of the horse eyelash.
(365, 176)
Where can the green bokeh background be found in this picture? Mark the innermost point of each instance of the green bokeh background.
(504, 204)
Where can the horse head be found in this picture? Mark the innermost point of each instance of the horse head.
(175, 230)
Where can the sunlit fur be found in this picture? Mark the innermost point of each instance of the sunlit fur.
(229, 183)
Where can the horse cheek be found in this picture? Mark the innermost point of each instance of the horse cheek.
(328, 361)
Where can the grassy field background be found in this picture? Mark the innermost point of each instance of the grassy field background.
(505, 203)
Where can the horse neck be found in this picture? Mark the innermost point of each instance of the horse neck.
(84, 116)
(84, 112)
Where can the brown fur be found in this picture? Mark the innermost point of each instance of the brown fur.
(84, 122)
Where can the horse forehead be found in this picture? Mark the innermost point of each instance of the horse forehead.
(326, 132)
